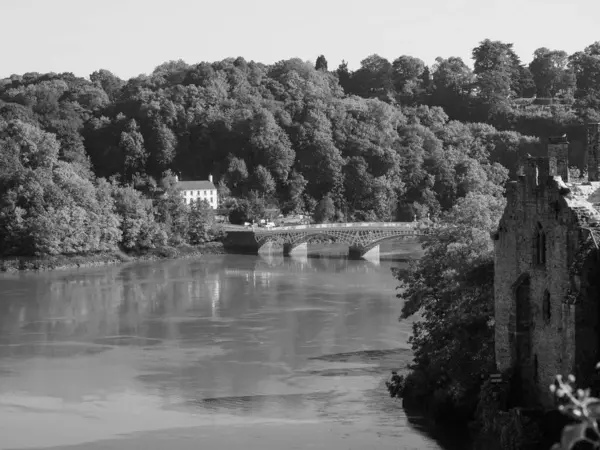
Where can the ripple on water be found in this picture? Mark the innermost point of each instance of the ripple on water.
(138, 341)
(51, 349)
(372, 356)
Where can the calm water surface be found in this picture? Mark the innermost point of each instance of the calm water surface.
(228, 352)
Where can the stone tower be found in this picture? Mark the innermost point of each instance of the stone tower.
(593, 151)
(558, 154)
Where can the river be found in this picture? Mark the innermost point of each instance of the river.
(233, 351)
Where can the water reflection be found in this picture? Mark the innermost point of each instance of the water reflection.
(212, 339)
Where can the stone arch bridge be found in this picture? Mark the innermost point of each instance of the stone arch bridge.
(362, 238)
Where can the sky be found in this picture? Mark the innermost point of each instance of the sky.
(131, 37)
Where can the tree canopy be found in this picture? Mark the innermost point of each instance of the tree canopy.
(393, 140)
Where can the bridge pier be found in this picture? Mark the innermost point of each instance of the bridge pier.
(362, 237)
(295, 249)
(266, 248)
(361, 252)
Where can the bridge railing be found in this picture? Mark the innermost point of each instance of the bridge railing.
(405, 225)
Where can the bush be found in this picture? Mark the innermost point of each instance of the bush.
(451, 287)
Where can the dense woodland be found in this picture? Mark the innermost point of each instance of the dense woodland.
(88, 165)
(85, 162)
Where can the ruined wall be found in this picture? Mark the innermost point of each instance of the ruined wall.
(593, 151)
(585, 292)
(535, 204)
(547, 315)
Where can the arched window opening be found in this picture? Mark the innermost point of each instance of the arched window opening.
(539, 246)
(547, 307)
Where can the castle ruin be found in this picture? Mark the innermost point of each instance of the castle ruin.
(547, 272)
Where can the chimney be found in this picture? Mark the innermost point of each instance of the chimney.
(558, 154)
(210, 178)
(593, 151)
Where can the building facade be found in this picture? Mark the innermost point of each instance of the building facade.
(547, 272)
(195, 191)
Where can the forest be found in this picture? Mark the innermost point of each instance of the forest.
(88, 164)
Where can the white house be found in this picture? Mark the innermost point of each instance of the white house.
(195, 191)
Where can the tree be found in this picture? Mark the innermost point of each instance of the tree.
(343, 74)
(171, 210)
(493, 56)
(453, 82)
(385, 135)
(111, 84)
(201, 222)
(373, 79)
(494, 87)
(138, 226)
(321, 63)
(325, 210)
(247, 210)
(239, 212)
(296, 185)
(407, 73)
(452, 287)
(551, 73)
(164, 142)
(28, 146)
(271, 145)
(46, 206)
(263, 181)
(586, 68)
(498, 58)
(237, 172)
(132, 145)
(256, 206)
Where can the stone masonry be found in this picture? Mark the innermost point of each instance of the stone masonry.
(547, 272)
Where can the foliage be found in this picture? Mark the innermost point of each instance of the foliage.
(325, 210)
(451, 288)
(138, 225)
(201, 223)
(510, 428)
(583, 408)
(171, 211)
(551, 73)
(251, 209)
(46, 207)
(392, 139)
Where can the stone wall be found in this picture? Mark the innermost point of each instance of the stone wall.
(540, 347)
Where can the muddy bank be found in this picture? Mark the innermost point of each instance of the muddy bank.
(32, 263)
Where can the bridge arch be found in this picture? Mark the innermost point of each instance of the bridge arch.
(362, 239)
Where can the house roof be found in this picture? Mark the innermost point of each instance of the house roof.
(195, 185)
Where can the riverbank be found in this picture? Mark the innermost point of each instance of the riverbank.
(58, 262)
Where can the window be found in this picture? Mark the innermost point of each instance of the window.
(536, 369)
(539, 246)
(547, 307)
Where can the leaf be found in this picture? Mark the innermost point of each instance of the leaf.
(572, 434)
(594, 409)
